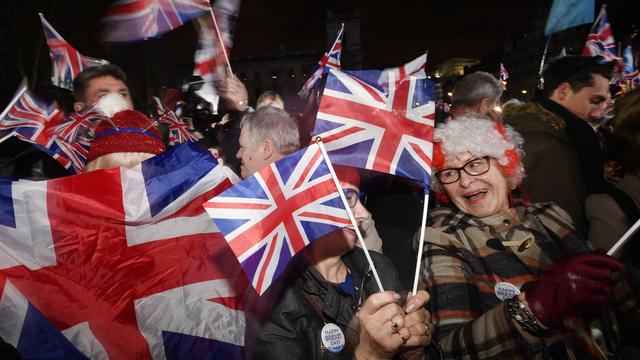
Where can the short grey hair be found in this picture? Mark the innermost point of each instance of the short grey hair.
(268, 122)
(475, 87)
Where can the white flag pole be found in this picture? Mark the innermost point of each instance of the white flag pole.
(221, 40)
(351, 217)
(615, 250)
(423, 225)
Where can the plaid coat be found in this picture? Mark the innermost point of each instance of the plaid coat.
(465, 257)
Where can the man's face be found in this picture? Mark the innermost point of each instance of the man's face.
(101, 86)
(587, 103)
(252, 158)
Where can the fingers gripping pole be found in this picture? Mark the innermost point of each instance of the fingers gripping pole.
(425, 209)
(351, 217)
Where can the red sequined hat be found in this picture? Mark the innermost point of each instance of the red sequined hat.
(126, 131)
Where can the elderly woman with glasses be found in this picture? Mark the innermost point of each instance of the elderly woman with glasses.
(507, 279)
(334, 310)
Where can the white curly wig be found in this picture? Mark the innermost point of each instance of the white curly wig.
(480, 136)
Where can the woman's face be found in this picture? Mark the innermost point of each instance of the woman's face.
(481, 195)
(360, 213)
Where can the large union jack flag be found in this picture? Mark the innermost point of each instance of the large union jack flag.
(130, 20)
(120, 263)
(362, 126)
(67, 62)
(600, 41)
(330, 60)
(270, 216)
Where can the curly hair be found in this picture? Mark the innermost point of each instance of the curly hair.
(480, 136)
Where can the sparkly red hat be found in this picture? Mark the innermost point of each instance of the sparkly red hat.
(126, 131)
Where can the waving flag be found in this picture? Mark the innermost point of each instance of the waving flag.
(504, 75)
(566, 14)
(631, 72)
(330, 60)
(600, 41)
(361, 126)
(130, 20)
(67, 62)
(270, 216)
(414, 67)
(124, 263)
(210, 60)
(179, 131)
(31, 118)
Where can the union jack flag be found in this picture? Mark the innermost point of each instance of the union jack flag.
(31, 118)
(67, 62)
(600, 41)
(270, 216)
(504, 75)
(179, 131)
(361, 126)
(330, 60)
(121, 263)
(130, 20)
(414, 67)
(631, 72)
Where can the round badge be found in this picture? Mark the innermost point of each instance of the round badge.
(504, 290)
(332, 338)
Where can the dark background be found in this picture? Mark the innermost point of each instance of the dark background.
(392, 32)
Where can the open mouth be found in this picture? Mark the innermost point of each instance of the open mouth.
(476, 196)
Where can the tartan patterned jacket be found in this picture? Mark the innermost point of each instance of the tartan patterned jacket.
(465, 257)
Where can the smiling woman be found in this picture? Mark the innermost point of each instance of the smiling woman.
(504, 273)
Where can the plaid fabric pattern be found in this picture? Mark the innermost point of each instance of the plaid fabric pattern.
(464, 259)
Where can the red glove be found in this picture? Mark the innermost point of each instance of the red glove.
(577, 283)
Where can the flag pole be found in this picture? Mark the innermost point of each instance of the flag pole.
(423, 225)
(224, 49)
(615, 250)
(544, 55)
(318, 141)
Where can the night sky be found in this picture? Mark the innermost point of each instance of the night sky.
(392, 32)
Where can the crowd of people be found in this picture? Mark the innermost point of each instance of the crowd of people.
(528, 200)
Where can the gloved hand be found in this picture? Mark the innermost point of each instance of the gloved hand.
(578, 283)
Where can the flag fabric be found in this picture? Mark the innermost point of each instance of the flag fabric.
(130, 20)
(330, 60)
(66, 62)
(210, 62)
(270, 216)
(630, 69)
(361, 126)
(31, 118)
(179, 131)
(600, 41)
(504, 75)
(120, 263)
(414, 67)
(566, 14)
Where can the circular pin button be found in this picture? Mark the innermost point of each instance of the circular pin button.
(505, 290)
(332, 338)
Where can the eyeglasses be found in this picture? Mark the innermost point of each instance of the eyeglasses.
(353, 197)
(473, 167)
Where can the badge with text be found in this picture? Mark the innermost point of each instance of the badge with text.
(332, 338)
(504, 290)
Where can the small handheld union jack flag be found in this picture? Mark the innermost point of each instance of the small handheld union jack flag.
(269, 217)
(600, 41)
(504, 75)
(362, 126)
(179, 131)
(415, 67)
(67, 62)
(130, 20)
(330, 60)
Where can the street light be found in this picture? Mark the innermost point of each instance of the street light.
(450, 94)
(524, 91)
